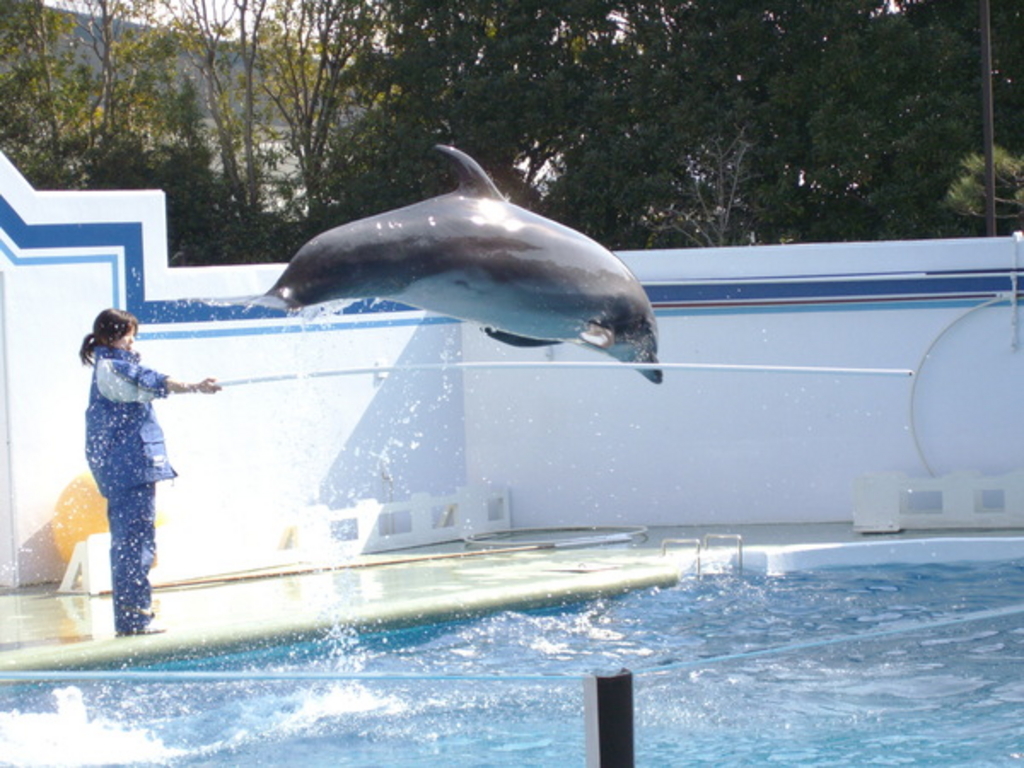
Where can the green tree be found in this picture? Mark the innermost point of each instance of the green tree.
(966, 195)
(852, 118)
(45, 119)
(711, 209)
(506, 82)
(224, 46)
(135, 94)
(222, 41)
(669, 154)
(643, 123)
(306, 72)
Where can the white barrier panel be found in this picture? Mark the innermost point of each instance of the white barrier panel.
(178, 560)
(891, 501)
(325, 537)
(372, 526)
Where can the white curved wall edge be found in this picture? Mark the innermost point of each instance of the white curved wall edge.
(777, 560)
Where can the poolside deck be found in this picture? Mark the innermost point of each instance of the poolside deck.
(41, 629)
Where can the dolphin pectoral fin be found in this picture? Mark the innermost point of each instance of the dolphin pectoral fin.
(517, 341)
(598, 336)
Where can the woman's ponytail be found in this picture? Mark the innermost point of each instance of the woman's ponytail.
(111, 325)
(88, 345)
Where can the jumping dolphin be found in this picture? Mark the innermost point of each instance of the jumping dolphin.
(474, 256)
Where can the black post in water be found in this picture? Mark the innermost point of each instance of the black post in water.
(608, 708)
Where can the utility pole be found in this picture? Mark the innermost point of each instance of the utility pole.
(987, 118)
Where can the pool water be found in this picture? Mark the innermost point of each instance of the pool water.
(850, 667)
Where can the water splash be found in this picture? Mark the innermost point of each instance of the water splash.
(69, 737)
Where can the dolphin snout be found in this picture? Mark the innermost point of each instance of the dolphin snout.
(654, 374)
(642, 352)
(639, 344)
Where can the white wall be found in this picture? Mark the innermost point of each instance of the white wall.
(705, 446)
(8, 530)
(713, 446)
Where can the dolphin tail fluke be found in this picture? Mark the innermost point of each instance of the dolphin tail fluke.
(226, 301)
(273, 300)
(265, 300)
(226, 308)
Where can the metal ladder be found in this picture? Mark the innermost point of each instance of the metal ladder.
(700, 546)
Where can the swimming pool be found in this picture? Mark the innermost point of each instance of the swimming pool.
(892, 665)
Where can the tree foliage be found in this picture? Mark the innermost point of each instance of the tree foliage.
(45, 113)
(640, 122)
(967, 193)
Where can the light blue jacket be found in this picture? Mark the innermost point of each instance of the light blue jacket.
(124, 443)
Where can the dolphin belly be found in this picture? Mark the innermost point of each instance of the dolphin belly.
(526, 307)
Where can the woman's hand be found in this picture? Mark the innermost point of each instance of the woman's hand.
(207, 386)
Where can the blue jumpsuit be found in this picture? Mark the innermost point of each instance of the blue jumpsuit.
(124, 446)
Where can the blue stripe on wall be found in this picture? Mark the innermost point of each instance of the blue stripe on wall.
(867, 288)
(55, 236)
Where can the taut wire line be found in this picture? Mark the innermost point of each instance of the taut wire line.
(568, 365)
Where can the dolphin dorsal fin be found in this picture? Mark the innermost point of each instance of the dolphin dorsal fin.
(473, 180)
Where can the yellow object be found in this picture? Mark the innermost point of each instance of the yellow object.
(81, 511)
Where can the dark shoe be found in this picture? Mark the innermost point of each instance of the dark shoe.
(147, 630)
